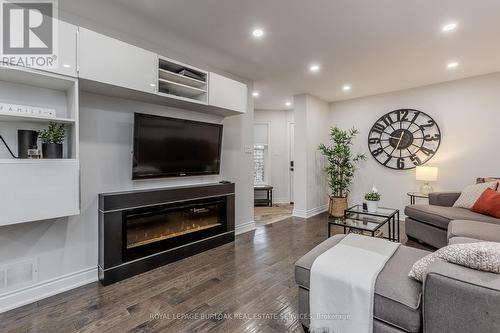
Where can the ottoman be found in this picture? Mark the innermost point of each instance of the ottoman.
(398, 298)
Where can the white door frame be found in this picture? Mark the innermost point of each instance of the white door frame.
(291, 145)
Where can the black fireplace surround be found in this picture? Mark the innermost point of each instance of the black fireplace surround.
(142, 230)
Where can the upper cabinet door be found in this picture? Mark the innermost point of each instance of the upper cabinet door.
(67, 49)
(108, 60)
(227, 94)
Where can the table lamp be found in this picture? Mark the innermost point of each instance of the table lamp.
(426, 174)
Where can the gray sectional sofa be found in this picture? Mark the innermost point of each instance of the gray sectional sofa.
(452, 298)
(429, 223)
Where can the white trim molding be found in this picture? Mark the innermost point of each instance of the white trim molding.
(305, 214)
(244, 227)
(48, 288)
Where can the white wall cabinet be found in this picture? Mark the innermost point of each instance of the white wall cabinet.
(68, 39)
(108, 60)
(35, 190)
(227, 93)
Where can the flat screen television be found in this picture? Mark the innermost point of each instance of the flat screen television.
(169, 147)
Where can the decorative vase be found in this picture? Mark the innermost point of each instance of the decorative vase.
(338, 206)
(52, 150)
(372, 206)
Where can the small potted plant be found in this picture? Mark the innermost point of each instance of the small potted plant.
(372, 198)
(52, 140)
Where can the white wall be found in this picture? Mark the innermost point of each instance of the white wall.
(312, 116)
(467, 112)
(279, 145)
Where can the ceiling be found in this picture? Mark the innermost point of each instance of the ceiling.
(375, 46)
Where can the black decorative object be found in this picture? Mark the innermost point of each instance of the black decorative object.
(26, 139)
(52, 150)
(403, 139)
(7, 146)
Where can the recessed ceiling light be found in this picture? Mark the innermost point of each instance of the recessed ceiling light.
(255, 94)
(449, 27)
(258, 33)
(66, 66)
(346, 87)
(314, 68)
(453, 64)
(288, 103)
(152, 85)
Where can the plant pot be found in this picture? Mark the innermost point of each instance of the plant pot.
(52, 150)
(372, 206)
(338, 206)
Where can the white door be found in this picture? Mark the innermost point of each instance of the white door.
(108, 60)
(291, 159)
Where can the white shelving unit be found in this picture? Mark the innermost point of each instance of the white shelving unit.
(38, 189)
(175, 83)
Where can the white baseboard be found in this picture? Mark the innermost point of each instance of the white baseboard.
(244, 227)
(305, 214)
(36, 292)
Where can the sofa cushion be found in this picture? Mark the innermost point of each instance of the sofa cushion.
(462, 240)
(475, 230)
(440, 217)
(397, 297)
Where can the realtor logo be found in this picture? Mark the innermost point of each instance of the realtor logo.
(29, 33)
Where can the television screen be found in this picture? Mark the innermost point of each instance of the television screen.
(169, 147)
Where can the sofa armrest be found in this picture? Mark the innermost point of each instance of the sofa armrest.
(480, 231)
(446, 199)
(459, 299)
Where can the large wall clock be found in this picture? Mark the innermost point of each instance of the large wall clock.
(403, 139)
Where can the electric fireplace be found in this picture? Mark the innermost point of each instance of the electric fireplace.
(141, 230)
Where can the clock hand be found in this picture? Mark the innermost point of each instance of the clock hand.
(400, 138)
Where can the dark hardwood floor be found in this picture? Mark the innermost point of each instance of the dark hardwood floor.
(246, 286)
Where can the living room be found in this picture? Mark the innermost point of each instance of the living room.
(134, 151)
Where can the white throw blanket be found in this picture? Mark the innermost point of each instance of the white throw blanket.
(342, 284)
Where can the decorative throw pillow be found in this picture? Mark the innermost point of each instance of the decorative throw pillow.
(471, 193)
(420, 268)
(483, 256)
(488, 203)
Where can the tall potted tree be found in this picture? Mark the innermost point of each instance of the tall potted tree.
(341, 167)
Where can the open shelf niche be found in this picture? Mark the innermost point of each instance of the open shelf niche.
(181, 81)
(49, 188)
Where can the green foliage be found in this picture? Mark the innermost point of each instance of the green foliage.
(53, 134)
(372, 196)
(341, 161)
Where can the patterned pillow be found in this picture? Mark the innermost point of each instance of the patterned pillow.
(483, 256)
(420, 269)
(471, 193)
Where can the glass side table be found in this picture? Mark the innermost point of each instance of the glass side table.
(389, 214)
(414, 195)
